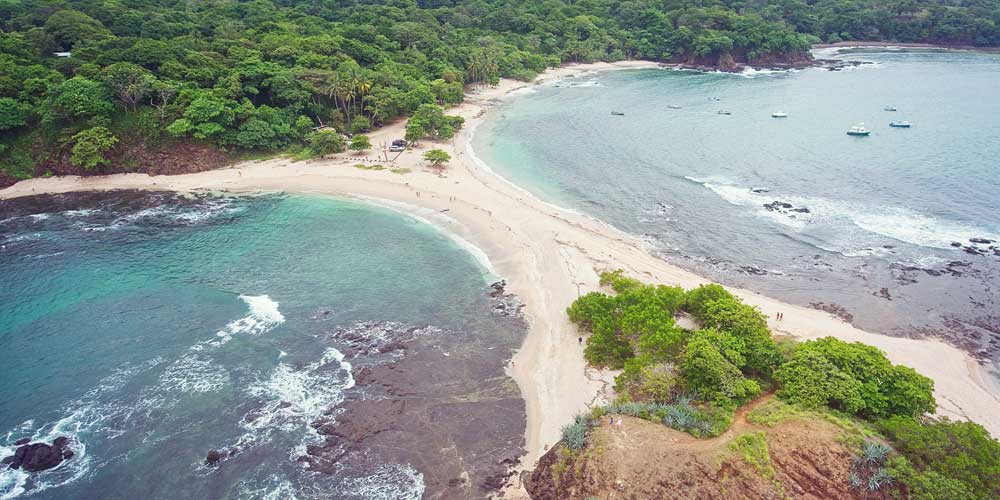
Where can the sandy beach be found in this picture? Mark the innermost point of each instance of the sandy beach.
(549, 256)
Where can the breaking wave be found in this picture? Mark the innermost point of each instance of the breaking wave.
(896, 223)
(264, 316)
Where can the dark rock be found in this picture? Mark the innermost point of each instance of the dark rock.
(972, 251)
(777, 206)
(36, 457)
(956, 244)
(21, 441)
(759, 190)
(214, 457)
(982, 241)
(7, 460)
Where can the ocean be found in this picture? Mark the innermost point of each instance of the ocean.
(322, 348)
(897, 232)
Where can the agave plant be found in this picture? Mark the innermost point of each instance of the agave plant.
(874, 453)
(854, 479)
(879, 479)
(574, 436)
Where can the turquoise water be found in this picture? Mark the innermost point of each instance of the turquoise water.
(151, 329)
(870, 222)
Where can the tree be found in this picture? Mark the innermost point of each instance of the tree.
(162, 94)
(360, 143)
(437, 158)
(70, 27)
(207, 116)
(429, 120)
(13, 114)
(91, 146)
(712, 377)
(75, 99)
(324, 142)
(128, 82)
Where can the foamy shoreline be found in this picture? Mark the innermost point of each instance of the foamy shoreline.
(548, 255)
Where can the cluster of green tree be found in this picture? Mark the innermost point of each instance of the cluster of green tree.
(725, 362)
(975, 22)
(261, 74)
(693, 380)
(941, 460)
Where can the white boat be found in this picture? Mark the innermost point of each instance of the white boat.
(859, 130)
(890, 108)
(725, 112)
(673, 106)
(779, 114)
(901, 124)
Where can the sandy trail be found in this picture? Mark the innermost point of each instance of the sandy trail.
(549, 256)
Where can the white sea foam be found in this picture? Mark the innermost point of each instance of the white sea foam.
(264, 316)
(293, 398)
(274, 487)
(193, 373)
(388, 482)
(897, 223)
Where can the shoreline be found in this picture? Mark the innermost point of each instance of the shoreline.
(548, 256)
(904, 45)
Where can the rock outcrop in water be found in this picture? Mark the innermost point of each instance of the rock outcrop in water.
(427, 389)
(35, 457)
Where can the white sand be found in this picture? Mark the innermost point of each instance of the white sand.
(548, 256)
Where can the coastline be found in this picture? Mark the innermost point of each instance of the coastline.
(548, 255)
(903, 45)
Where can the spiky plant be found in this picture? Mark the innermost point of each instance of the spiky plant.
(874, 453)
(854, 479)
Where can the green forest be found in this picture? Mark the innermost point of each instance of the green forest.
(694, 380)
(100, 85)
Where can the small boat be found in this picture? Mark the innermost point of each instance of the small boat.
(859, 130)
(724, 112)
(901, 124)
(618, 113)
(779, 114)
(890, 108)
(673, 106)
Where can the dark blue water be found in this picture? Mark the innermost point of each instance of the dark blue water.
(870, 223)
(151, 329)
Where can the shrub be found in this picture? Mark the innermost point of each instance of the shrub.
(696, 300)
(324, 142)
(360, 143)
(90, 147)
(962, 451)
(855, 378)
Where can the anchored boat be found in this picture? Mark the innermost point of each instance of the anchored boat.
(779, 114)
(724, 112)
(618, 113)
(859, 130)
(900, 124)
